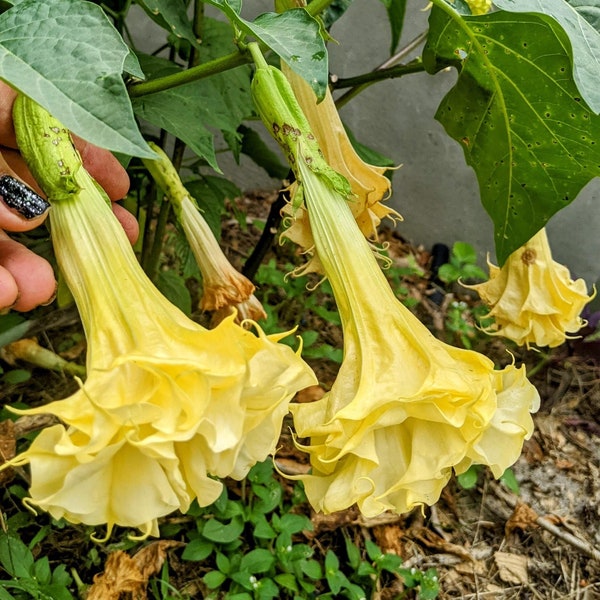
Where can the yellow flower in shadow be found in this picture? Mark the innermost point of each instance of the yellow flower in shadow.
(167, 406)
(224, 289)
(405, 409)
(532, 298)
(370, 187)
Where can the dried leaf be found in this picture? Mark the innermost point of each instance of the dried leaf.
(126, 578)
(523, 518)
(121, 576)
(512, 568)
(149, 560)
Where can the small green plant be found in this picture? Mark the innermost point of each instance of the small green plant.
(29, 577)
(252, 547)
(468, 479)
(462, 265)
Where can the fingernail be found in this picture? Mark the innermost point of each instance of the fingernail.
(52, 298)
(23, 199)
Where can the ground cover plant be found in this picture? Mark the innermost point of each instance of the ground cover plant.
(171, 435)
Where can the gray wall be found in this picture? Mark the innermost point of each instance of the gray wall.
(435, 191)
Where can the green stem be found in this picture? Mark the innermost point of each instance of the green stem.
(318, 6)
(218, 65)
(361, 82)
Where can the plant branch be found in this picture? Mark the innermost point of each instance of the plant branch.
(386, 70)
(218, 65)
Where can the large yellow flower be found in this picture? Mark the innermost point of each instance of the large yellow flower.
(368, 183)
(532, 297)
(405, 409)
(167, 405)
(224, 289)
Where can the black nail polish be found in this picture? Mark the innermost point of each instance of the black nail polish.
(24, 200)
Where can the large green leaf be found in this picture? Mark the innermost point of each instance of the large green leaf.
(67, 56)
(294, 35)
(190, 111)
(580, 20)
(518, 115)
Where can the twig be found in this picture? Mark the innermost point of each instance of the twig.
(544, 523)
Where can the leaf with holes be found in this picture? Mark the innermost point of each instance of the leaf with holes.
(518, 115)
(579, 19)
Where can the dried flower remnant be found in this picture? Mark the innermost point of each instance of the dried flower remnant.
(224, 289)
(167, 406)
(532, 298)
(405, 409)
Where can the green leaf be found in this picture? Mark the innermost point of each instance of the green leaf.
(580, 21)
(172, 16)
(311, 568)
(468, 479)
(16, 376)
(258, 560)
(518, 115)
(224, 533)
(292, 523)
(262, 529)
(294, 35)
(287, 581)
(353, 553)
(172, 286)
(68, 57)
(464, 253)
(15, 557)
(214, 579)
(510, 481)
(197, 550)
(395, 10)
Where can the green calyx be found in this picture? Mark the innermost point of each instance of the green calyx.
(47, 148)
(281, 114)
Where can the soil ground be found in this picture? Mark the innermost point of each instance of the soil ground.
(486, 541)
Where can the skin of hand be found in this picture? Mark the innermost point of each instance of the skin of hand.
(26, 279)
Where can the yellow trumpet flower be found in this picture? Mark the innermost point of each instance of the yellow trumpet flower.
(167, 406)
(405, 409)
(532, 297)
(224, 289)
(368, 183)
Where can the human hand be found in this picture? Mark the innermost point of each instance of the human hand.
(26, 279)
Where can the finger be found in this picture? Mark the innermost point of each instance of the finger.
(21, 208)
(7, 130)
(31, 274)
(9, 292)
(104, 168)
(128, 222)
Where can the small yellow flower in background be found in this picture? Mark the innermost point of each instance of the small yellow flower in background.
(368, 183)
(167, 405)
(224, 289)
(532, 298)
(479, 7)
(405, 409)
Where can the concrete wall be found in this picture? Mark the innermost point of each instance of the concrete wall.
(435, 190)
